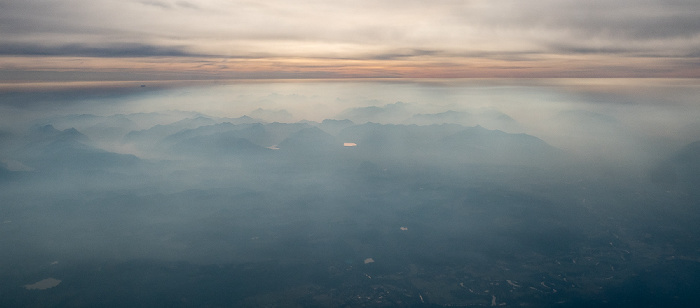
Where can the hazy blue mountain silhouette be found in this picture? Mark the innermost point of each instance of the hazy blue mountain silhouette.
(264, 135)
(398, 111)
(451, 141)
(97, 127)
(498, 146)
(220, 144)
(160, 131)
(200, 131)
(334, 127)
(396, 137)
(280, 131)
(311, 140)
(69, 150)
(490, 118)
(240, 120)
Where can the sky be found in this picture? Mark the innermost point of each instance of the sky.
(52, 40)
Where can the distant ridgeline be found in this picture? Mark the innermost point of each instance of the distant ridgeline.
(204, 140)
(183, 209)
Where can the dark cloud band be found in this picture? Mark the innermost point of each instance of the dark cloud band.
(125, 50)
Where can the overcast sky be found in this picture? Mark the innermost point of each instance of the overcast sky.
(167, 39)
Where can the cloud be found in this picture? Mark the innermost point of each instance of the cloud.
(121, 50)
(424, 32)
(170, 5)
(402, 54)
(159, 4)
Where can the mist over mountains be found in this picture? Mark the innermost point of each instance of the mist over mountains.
(393, 204)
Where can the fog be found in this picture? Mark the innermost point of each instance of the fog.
(541, 192)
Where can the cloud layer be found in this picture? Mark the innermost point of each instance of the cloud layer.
(359, 38)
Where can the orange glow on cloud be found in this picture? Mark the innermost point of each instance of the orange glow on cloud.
(425, 67)
(211, 39)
